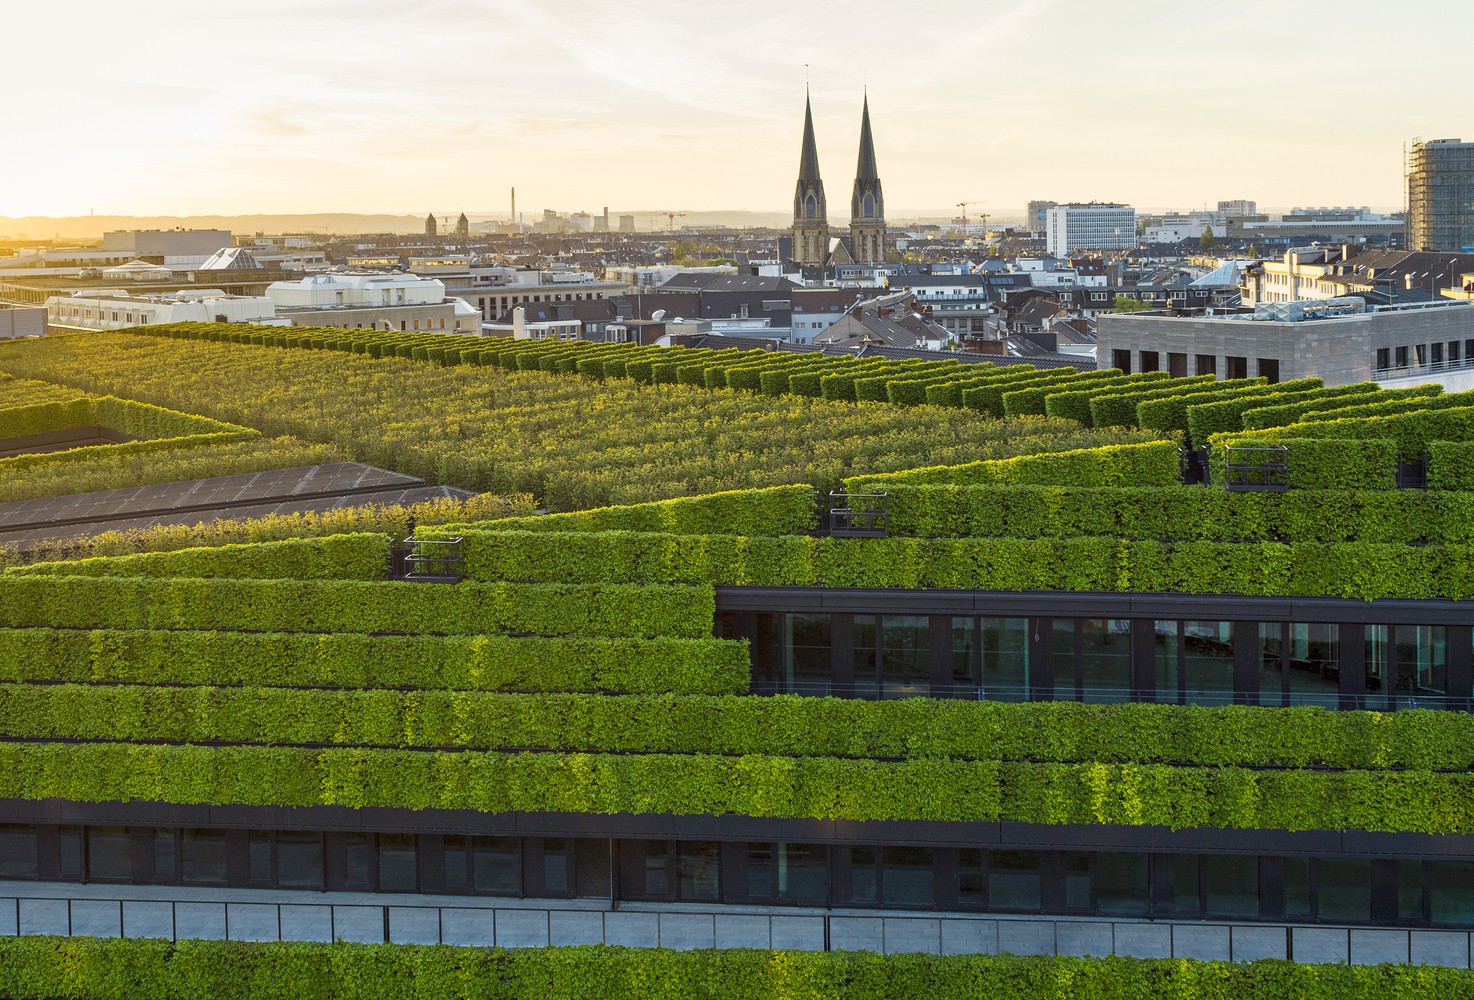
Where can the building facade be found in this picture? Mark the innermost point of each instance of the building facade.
(1440, 195)
(867, 203)
(1089, 227)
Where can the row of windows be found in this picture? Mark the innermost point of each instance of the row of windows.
(1452, 353)
(1128, 884)
(1105, 660)
(1235, 366)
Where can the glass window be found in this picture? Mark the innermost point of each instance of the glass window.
(1207, 663)
(1297, 887)
(69, 844)
(1410, 890)
(892, 656)
(358, 852)
(1062, 653)
(1105, 657)
(1077, 880)
(1272, 648)
(163, 845)
(454, 855)
(1185, 893)
(907, 880)
(1451, 893)
(1315, 665)
(1013, 881)
(809, 665)
(496, 865)
(202, 857)
(1420, 664)
(803, 873)
(761, 868)
(700, 870)
(1005, 658)
(1232, 884)
(397, 863)
(591, 868)
(864, 875)
(1122, 884)
(299, 860)
(1166, 652)
(109, 856)
(1345, 890)
(259, 854)
(656, 868)
(970, 888)
(18, 854)
(555, 865)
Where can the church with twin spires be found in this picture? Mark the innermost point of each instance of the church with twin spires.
(811, 241)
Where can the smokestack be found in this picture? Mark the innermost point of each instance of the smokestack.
(514, 205)
(519, 323)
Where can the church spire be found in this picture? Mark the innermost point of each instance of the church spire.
(867, 204)
(810, 212)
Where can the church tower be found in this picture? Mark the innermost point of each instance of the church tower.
(463, 226)
(431, 229)
(810, 214)
(867, 204)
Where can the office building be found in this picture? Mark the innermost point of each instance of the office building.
(1440, 195)
(1093, 226)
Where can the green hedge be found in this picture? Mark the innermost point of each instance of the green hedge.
(1169, 413)
(1353, 569)
(354, 606)
(1205, 419)
(1390, 407)
(788, 726)
(1260, 418)
(757, 786)
(1150, 463)
(348, 660)
(1451, 465)
(1412, 432)
(361, 556)
(131, 969)
(158, 429)
(1318, 464)
(775, 510)
(1119, 409)
(1182, 513)
(1075, 404)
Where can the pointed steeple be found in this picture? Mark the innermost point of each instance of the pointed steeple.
(867, 204)
(865, 169)
(810, 211)
(808, 160)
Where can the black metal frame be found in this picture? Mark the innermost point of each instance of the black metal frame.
(428, 560)
(1270, 474)
(845, 521)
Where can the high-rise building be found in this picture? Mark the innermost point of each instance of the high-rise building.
(1093, 226)
(1440, 195)
(1037, 215)
(867, 204)
(810, 212)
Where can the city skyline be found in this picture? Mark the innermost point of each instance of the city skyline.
(380, 107)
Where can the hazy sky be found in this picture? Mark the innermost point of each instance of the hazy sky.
(194, 107)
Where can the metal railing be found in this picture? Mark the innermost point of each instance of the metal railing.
(428, 560)
(1262, 469)
(857, 515)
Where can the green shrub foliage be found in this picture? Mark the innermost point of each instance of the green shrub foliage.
(360, 556)
(354, 660)
(1150, 463)
(142, 969)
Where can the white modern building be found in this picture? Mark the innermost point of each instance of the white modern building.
(115, 309)
(1093, 226)
(404, 302)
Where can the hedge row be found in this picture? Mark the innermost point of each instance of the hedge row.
(1390, 407)
(1031, 399)
(1353, 569)
(1150, 463)
(362, 556)
(355, 606)
(758, 786)
(132, 969)
(1204, 419)
(1184, 513)
(1313, 464)
(1451, 465)
(1118, 409)
(776, 510)
(1169, 414)
(1290, 413)
(157, 427)
(783, 726)
(1075, 404)
(1413, 433)
(349, 660)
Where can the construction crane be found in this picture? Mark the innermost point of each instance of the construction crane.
(670, 220)
(982, 215)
